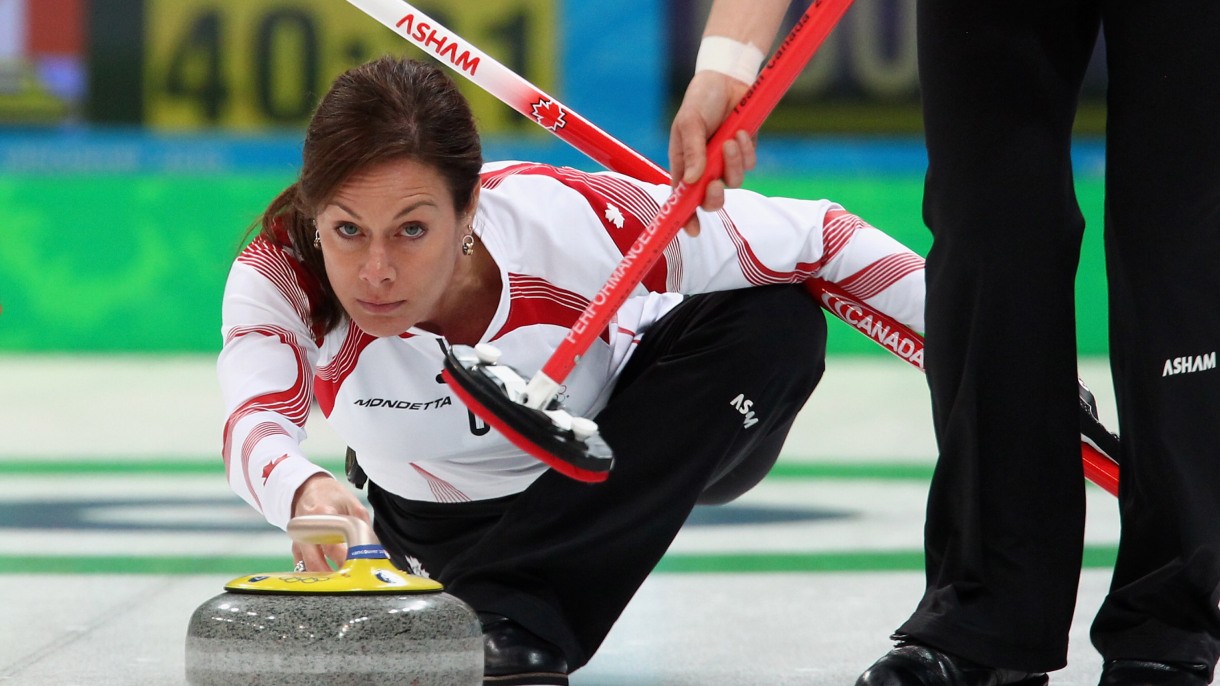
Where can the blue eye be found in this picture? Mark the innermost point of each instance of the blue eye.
(413, 230)
(347, 230)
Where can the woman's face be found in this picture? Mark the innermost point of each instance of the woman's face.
(391, 241)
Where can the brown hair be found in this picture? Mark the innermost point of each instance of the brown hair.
(386, 110)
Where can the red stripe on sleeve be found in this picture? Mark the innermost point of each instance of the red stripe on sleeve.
(753, 268)
(286, 273)
(291, 403)
(880, 275)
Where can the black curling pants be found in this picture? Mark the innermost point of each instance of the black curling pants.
(563, 558)
(1006, 510)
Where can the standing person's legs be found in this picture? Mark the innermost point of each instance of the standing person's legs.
(712, 385)
(1163, 259)
(1004, 532)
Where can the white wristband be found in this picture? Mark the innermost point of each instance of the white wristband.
(738, 60)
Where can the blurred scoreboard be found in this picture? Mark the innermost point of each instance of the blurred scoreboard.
(260, 65)
(180, 65)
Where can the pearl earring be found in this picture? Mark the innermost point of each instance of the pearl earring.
(468, 242)
(317, 238)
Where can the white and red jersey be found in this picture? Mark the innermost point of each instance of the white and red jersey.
(556, 235)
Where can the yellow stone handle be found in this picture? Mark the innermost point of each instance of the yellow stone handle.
(331, 529)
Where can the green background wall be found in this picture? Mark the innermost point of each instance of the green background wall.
(137, 262)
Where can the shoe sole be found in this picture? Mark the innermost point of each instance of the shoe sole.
(535, 679)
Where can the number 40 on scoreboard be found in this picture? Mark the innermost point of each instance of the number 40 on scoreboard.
(260, 64)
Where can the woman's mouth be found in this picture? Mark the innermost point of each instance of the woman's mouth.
(380, 307)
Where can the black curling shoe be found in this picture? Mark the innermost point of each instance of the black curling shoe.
(1148, 673)
(513, 656)
(912, 664)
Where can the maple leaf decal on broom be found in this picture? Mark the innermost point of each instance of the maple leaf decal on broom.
(549, 114)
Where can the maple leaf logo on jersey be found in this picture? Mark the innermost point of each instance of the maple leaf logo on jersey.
(549, 114)
(270, 466)
(614, 216)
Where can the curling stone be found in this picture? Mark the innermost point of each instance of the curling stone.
(366, 623)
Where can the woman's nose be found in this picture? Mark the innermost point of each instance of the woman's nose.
(377, 265)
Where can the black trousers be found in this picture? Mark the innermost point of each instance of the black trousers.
(563, 558)
(1004, 532)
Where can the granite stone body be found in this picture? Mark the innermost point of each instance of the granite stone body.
(418, 639)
